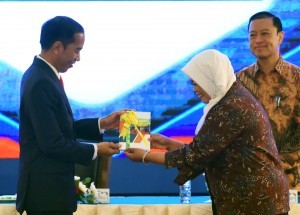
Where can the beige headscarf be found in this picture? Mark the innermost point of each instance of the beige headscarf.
(213, 72)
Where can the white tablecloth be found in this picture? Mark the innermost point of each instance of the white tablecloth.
(143, 206)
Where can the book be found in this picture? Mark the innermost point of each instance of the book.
(135, 130)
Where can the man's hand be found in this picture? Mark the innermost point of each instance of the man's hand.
(108, 148)
(112, 120)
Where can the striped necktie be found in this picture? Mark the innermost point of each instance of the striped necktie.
(61, 81)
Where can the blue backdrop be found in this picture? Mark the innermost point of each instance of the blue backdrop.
(149, 79)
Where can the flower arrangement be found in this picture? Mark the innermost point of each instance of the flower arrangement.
(86, 191)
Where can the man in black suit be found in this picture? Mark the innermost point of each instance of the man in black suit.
(48, 132)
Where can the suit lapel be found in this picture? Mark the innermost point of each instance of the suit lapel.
(50, 73)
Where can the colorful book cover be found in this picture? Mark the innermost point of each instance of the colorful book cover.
(135, 130)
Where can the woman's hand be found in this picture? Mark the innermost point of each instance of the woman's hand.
(159, 141)
(141, 155)
(135, 154)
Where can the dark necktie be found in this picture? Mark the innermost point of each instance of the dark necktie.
(61, 81)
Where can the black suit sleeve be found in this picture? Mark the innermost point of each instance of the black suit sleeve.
(88, 130)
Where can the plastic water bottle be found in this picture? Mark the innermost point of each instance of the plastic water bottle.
(185, 192)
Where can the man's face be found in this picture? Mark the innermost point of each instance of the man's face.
(263, 38)
(70, 54)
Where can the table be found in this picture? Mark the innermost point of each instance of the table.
(144, 205)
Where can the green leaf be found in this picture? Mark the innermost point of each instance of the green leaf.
(87, 181)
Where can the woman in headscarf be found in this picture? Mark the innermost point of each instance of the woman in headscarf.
(233, 144)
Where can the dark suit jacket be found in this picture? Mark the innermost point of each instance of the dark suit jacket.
(48, 149)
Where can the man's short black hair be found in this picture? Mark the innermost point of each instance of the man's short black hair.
(59, 28)
(264, 14)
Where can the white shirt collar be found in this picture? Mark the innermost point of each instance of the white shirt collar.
(52, 67)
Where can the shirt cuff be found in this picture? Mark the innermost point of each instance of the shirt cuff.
(95, 151)
(100, 130)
